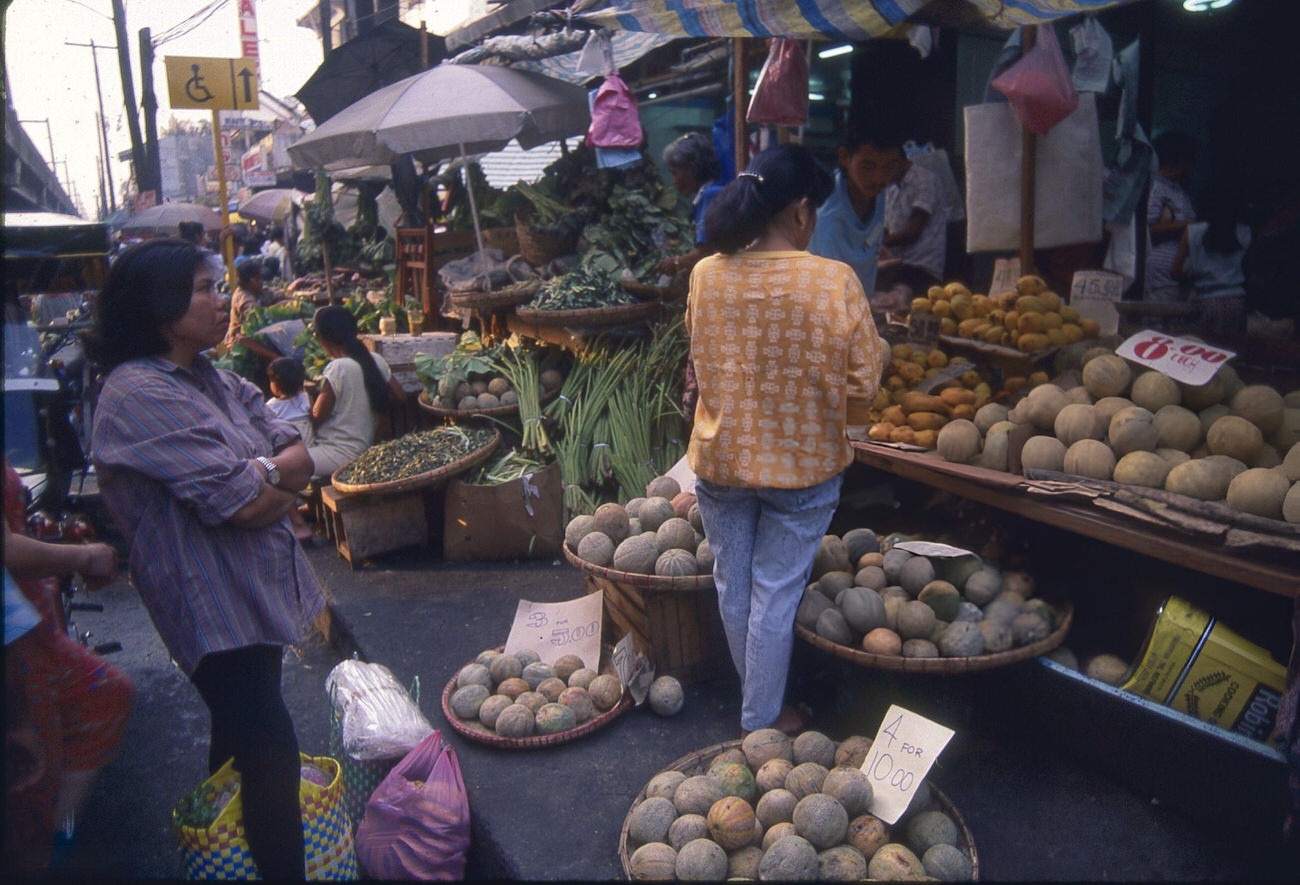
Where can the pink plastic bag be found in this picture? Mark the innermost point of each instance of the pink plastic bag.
(417, 831)
(781, 93)
(614, 119)
(1039, 85)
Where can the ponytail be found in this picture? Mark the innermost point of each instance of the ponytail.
(338, 326)
(776, 178)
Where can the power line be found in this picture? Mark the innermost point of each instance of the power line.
(180, 29)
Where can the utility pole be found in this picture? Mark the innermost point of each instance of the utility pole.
(128, 95)
(103, 122)
(152, 157)
(99, 168)
(326, 11)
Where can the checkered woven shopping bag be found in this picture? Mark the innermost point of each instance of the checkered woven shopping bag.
(221, 851)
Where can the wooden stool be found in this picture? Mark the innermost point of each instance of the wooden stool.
(364, 525)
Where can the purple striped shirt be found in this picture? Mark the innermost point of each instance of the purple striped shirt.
(172, 449)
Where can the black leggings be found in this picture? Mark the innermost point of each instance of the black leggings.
(251, 723)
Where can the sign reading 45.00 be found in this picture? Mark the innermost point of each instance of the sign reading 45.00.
(900, 757)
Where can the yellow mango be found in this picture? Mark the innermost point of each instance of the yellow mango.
(1030, 304)
(1029, 342)
(1053, 320)
(1037, 378)
(936, 293)
(1030, 285)
(1072, 333)
(1089, 327)
(1011, 319)
(941, 308)
(1069, 314)
(901, 351)
(920, 305)
(1056, 336)
(955, 288)
(947, 325)
(962, 308)
(937, 358)
(1050, 299)
(1032, 322)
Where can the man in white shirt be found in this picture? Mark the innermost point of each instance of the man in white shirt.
(916, 232)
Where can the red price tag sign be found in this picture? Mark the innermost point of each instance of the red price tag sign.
(1185, 360)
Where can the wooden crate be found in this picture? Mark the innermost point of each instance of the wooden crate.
(680, 631)
(366, 525)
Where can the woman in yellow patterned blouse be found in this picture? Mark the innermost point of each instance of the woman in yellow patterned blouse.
(779, 338)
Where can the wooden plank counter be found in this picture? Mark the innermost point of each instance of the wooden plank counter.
(1007, 491)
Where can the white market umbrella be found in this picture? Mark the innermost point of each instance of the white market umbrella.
(166, 219)
(443, 112)
(270, 205)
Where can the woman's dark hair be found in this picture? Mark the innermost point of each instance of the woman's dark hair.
(1223, 211)
(149, 285)
(287, 373)
(191, 231)
(880, 127)
(1174, 147)
(246, 270)
(775, 178)
(336, 325)
(694, 151)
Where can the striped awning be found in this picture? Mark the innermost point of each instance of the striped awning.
(812, 19)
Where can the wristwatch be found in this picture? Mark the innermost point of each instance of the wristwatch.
(272, 472)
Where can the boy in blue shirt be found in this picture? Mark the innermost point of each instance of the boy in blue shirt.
(851, 223)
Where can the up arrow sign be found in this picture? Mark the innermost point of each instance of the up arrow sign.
(245, 70)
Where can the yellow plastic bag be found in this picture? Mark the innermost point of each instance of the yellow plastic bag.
(221, 851)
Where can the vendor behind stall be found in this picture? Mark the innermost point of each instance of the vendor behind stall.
(851, 223)
(916, 232)
(695, 168)
(1169, 211)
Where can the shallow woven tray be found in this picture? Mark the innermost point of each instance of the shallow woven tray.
(517, 293)
(697, 762)
(496, 412)
(684, 583)
(590, 317)
(942, 666)
(477, 731)
(425, 480)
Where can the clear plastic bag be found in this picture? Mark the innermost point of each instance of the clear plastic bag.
(377, 716)
(1038, 86)
(416, 824)
(781, 93)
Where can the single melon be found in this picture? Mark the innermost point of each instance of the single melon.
(1229, 464)
(555, 718)
(1154, 390)
(863, 608)
(566, 665)
(771, 775)
(611, 520)
(1106, 375)
(1261, 405)
(1132, 430)
(512, 687)
(701, 860)
(1076, 422)
(813, 746)
(1043, 453)
(1107, 406)
(465, 702)
(579, 701)
(915, 574)
(852, 751)
(947, 863)
(596, 548)
(516, 721)
(666, 697)
(764, 744)
(1197, 397)
(686, 828)
(1106, 668)
(1173, 456)
(582, 677)
(982, 587)
(633, 507)
(1235, 437)
(1177, 428)
(473, 674)
(871, 577)
(682, 503)
(776, 833)
(675, 534)
(505, 667)
(831, 583)
(653, 862)
(636, 555)
(551, 688)
(831, 556)
(665, 783)
(605, 691)
(832, 626)
(921, 648)
(896, 862)
(536, 673)
(1028, 628)
(1091, 458)
(843, 863)
(867, 833)
(821, 819)
(663, 487)
(850, 787)
(1199, 478)
(676, 563)
(1259, 491)
(893, 563)
(930, 828)
(997, 635)
(915, 620)
(743, 863)
(487, 656)
(1040, 407)
(859, 542)
(790, 859)
(650, 821)
(883, 640)
(1291, 504)
(942, 597)
(811, 607)
(997, 443)
(654, 512)
(490, 709)
(1143, 469)
(776, 805)
(731, 822)
(989, 414)
(805, 779)
(962, 639)
(959, 441)
(577, 528)
(696, 794)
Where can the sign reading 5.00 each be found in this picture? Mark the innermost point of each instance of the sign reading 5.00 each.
(900, 757)
(212, 84)
(1183, 359)
(556, 629)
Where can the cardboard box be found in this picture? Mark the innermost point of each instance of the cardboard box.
(521, 519)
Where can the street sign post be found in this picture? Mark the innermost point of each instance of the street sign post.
(215, 84)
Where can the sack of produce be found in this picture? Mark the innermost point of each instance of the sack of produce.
(209, 824)
(374, 723)
(416, 825)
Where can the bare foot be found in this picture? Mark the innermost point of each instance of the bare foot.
(793, 720)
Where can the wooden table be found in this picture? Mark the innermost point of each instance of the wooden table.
(1007, 491)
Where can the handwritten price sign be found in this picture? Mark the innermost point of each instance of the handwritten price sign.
(556, 629)
(900, 758)
(1093, 293)
(1185, 360)
(1006, 273)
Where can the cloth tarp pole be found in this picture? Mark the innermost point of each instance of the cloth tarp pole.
(738, 104)
(227, 248)
(473, 204)
(1028, 156)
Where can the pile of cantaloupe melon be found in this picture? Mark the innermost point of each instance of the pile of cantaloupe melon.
(1029, 317)
(1224, 441)
(660, 534)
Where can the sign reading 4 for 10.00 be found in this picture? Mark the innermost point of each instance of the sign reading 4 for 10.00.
(900, 757)
(212, 84)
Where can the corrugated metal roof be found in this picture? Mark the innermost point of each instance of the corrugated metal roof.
(512, 163)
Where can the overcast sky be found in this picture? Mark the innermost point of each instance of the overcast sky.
(50, 80)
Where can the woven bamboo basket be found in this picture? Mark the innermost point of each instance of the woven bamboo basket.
(497, 299)
(465, 414)
(428, 479)
(940, 666)
(590, 317)
(674, 621)
(536, 248)
(697, 762)
(480, 733)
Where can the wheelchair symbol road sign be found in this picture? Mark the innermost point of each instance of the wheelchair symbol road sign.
(228, 84)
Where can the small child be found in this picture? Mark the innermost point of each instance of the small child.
(289, 402)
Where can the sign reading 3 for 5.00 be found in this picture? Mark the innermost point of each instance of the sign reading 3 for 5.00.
(1183, 359)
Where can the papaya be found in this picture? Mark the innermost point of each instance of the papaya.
(992, 334)
(982, 304)
(996, 316)
(914, 401)
(956, 397)
(962, 308)
(910, 372)
(903, 435)
(964, 410)
(927, 438)
(926, 420)
(894, 415)
(880, 431)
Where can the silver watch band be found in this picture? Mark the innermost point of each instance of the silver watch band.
(272, 471)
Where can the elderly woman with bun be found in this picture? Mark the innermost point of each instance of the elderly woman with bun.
(200, 478)
(781, 340)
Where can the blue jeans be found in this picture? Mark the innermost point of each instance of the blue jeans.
(763, 542)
